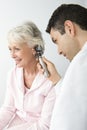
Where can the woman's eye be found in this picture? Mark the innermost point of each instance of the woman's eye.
(17, 49)
(9, 49)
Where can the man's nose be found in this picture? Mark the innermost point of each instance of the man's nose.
(59, 51)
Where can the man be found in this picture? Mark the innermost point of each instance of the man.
(68, 30)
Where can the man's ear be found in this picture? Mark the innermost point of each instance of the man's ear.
(69, 27)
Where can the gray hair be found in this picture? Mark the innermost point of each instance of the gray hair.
(27, 33)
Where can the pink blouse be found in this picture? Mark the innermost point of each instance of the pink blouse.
(35, 106)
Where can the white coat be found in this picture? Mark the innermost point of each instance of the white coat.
(70, 110)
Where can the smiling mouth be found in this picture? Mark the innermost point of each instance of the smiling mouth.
(17, 61)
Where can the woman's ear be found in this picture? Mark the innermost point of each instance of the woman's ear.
(33, 51)
(69, 27)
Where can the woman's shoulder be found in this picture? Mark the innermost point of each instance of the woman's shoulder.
(45, 84)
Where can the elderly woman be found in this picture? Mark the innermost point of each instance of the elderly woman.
(30, 95)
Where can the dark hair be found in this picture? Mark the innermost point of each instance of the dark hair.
(73, 12)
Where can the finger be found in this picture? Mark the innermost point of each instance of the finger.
(41, 70)
(47, 62)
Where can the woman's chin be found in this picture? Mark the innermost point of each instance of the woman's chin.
(18, 65)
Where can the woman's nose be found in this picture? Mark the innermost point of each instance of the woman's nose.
(13, 55)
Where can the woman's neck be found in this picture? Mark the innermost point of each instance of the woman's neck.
(30, 73)
(31, 68)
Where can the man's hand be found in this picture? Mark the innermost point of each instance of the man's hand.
(53, 74)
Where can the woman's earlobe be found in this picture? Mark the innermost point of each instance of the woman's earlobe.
(33, 52)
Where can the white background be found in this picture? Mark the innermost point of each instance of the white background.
(14, 12)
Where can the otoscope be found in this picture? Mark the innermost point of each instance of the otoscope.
(39, 52)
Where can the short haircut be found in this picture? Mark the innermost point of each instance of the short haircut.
(73, 12)
(27, 33)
